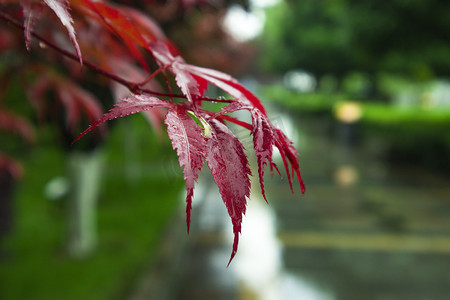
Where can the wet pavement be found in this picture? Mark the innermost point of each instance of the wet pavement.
(363, 230)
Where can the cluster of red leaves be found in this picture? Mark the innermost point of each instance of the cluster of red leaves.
(135, 45)
(11, 123)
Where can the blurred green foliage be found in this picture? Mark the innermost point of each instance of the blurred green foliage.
(338, 36)
(133, 211)
(305, 103)
(414, 134)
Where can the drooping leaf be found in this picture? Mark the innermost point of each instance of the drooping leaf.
(229, 167)
(130, 105)
(265, 137)
(289, 155)
(31, 12)
(263, 141)
(61, 9)
(119, 24)
(190, 144)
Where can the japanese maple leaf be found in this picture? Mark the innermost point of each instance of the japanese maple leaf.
(33, 10)
(223, 152)
(120, 24)
(229, 167)
(127, 106)
(265, 137)
(289, 155)
(190, 144)
(263, 140)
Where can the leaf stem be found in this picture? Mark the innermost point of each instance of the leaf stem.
(153, 75)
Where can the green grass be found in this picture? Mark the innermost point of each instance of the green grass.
(131, 217)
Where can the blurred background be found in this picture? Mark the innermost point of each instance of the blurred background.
(362, 88)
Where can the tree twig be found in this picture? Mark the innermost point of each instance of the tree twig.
(133, 87)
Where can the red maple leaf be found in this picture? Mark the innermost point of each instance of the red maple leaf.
(32, 11)
(127, 106)
(229, 167)
(190, 144)
(263, 140)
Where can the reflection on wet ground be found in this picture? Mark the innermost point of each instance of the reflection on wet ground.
(363, 230)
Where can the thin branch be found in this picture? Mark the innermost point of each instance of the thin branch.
(66, 53)
(135, 88)
(153, 75)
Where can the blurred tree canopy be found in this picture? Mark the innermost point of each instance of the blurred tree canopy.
(409, 37)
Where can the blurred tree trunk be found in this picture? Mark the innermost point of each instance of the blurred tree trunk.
(6, 197)
(84, 173)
